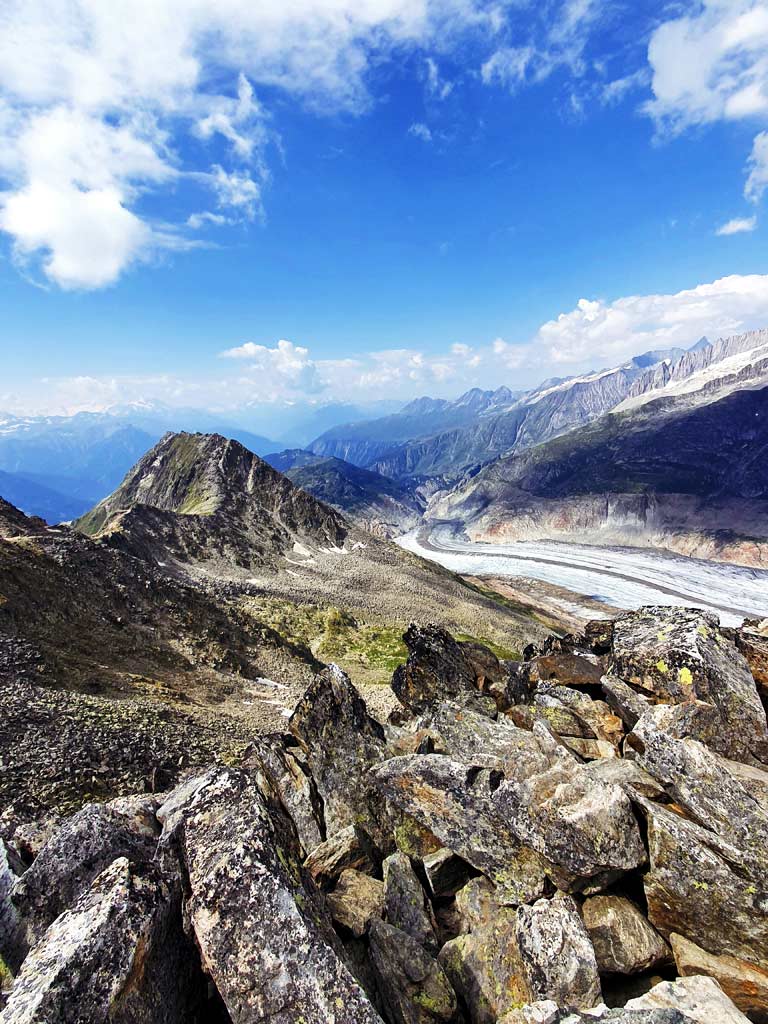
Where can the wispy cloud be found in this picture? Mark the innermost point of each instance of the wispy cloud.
(737, 226)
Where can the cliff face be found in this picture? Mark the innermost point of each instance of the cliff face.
(672, 474)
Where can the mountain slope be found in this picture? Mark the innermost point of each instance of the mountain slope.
(37, 499)
(678, 472)
(208, 511)
(377, 504)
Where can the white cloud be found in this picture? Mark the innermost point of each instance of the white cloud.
(507, 66)
(286, 366)
(757, 181)
(420, 131)
(95, 97)
(710, 66)
(598, 332)
(737, 226)
(437, 86)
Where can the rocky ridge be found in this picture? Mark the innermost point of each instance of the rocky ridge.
(579, 836)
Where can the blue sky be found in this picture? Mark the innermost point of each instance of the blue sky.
(232, 203)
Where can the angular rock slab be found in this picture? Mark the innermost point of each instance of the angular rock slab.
(679, 654)
(583, 826)
(80, 849)
(414, 988)
(285, 764)
(699, 886)
(118, 955)
(270, 958)
(744, 983)
(406, 904)
(703, 783)
(697, 998)
(624, 941)
(455, 801)
(341, 742)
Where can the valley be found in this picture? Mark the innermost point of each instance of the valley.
(624, 578)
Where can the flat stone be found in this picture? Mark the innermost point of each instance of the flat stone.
(746, 984)
(699, 999)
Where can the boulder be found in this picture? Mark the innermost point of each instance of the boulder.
(405, 902)
(484, 968)
(596, 719)
(744, 983)
(79, 850)
(625, 773)
(439, 668)
(698, 885)
(623, 940)
(341, 742)
(356, 900)
(570, 667)
(262, 933)
(556, 954)
(679, 654)
(582, 826)
(11, 942)
(455, 801)
(475, 739)
(697, 998)
(118, 954)
(413, 986)
(700, 781)
(349, 848)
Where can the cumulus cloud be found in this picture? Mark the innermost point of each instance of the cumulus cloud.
(95, 98)
(599, 332)
(737, 226)
(286, 366)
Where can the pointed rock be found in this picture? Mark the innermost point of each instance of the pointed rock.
(439, 668)
(406, 904)
(262, 933)
(341, 742)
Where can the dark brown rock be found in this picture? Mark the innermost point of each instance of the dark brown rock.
(356, 900)
(624, 941)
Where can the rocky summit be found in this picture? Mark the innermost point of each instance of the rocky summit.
(578, 836)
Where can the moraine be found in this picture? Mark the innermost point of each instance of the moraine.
(619, 577)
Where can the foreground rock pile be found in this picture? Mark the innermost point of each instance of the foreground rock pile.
(580, 836)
